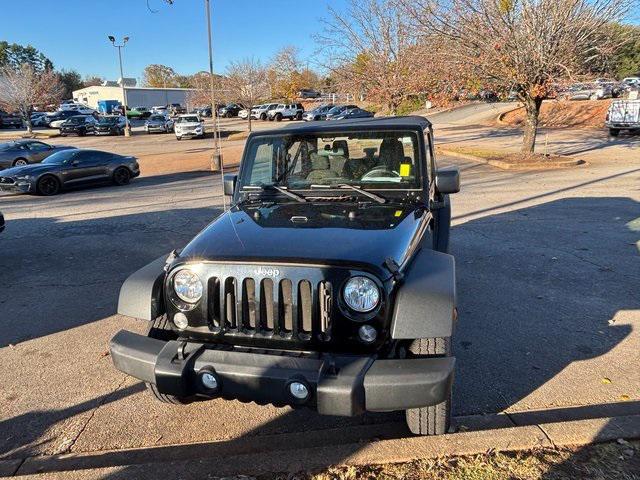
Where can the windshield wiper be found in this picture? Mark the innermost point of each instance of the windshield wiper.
(366, 193)
(284, 191)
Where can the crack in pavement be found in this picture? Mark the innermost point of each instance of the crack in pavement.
(104, 400)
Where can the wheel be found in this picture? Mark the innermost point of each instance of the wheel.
(278, 117)
(81, 133)
(121, 176)
(160, 329)
(178, 138)
(48, 185)
(434, 420)
(263, 116)
(593, 97)
(299, 116)
(614, 132)
(20, 162)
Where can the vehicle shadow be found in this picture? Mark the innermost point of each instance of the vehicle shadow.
(540, 289)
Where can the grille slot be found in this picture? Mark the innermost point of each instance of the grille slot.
(288, 308)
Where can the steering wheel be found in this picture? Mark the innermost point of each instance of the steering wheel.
(383, 172)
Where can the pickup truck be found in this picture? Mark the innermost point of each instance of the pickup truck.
(623, 115)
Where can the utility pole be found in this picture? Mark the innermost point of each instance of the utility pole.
(127, 127)
(216, 158)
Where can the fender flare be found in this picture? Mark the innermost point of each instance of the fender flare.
(426, 299)
(141, 293)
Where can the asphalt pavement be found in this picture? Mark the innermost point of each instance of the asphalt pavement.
(548, 277)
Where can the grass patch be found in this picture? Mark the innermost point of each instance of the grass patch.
(598, 462)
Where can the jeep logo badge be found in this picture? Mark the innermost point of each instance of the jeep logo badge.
(267, 272)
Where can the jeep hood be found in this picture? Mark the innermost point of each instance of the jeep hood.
(330, 234)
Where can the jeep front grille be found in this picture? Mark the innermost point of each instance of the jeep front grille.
(297, 309)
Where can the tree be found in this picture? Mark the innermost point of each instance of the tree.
(71, 81)
(92, 81)
(626, 60)
(159, 76)
(246, 82)
(23, 88)
(528, 44)
(14, 56)
(370, 48)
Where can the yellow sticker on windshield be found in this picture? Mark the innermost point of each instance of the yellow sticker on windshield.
(398, 213)
(405, 169)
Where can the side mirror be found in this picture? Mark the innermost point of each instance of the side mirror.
(448, 180)
(229, 183)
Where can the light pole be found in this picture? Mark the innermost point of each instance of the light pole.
(127, 127)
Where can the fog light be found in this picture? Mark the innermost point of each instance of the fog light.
(298, 390)
(367, 333)
(209, 380)
(180, 319)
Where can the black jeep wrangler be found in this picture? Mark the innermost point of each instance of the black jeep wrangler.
(326, 284)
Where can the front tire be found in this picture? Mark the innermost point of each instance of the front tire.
(263, 117)
(614, 132)
(436, 419)
(278, 117)
(48, 185)
(121, 176)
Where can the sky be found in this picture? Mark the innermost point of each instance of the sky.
(73, 33)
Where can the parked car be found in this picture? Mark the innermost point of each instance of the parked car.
(177, 109)
(68, 169)
(188, 125)
(244, 113)
(24, 152)
(10, 120)
(158, 123)
(78, 108)
(259, 112)
(80, 125)
(589, 91)
(204, 111)
(318, 113)
(351, 113)
(623, 115)
(338, 109)
(230, 110)
(38, 119)
(292, 111)
(110, 125)
(144, 112)
(631, 81)
(54, 120)
(326, 285)
(159, 110)
(309, 93)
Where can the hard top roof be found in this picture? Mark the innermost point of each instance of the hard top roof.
(412, 122)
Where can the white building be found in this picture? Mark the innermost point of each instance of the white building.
(136, 96)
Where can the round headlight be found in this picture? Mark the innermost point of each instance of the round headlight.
(361, 294)
(187, 286)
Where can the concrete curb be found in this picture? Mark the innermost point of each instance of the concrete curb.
(566, 162)
(309, 450)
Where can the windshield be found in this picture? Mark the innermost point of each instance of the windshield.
(109, 120)
(157, 118)
(383, 160)
(335, 110)
(60, 157)
(190, 119)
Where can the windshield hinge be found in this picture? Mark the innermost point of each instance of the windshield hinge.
(172, 256)
(394, 268)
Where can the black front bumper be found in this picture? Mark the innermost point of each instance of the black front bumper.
(339, 384)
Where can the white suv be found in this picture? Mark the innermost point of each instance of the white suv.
(188, 125)
(292, 111)
(259, 112)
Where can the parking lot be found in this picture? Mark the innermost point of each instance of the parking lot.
(548, 278)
